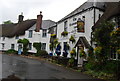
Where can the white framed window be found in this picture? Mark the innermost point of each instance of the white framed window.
(30, 34)
(65, 26)
(12, 46)
(44, 33)
(3, 45)
(43, 46)
(114, 55)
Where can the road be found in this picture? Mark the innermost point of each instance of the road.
(26, 68)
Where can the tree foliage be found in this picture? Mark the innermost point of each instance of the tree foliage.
(102, 36)
(8, 22)
(37, 46)
(102, 33)
(25, 43)
(53, 44)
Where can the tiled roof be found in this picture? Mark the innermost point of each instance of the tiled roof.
(46, 24)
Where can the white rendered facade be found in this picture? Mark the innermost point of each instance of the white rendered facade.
(72, 29)
(36, 37)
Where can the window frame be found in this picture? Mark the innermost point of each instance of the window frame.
(30, 35)
(44, 33)
(13, 46)
(65, 26)
(43, 46)
(3, 46)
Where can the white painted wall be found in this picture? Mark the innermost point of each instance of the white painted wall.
(36, 37)
(89, 22)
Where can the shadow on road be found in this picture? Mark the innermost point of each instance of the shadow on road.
(15, 78)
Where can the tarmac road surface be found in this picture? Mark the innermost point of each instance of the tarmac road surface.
(26, 68)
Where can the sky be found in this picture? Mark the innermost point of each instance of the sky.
(51, 9)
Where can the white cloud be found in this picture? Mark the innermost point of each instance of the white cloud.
(52, 9)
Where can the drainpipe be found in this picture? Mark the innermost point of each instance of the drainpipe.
(94, 19)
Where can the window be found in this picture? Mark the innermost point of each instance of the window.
(83, 17)
(3, 45)
(74, 19)
(30, 46)
(114, 55)
(44, 33)
(17, 37)
(43, 46)
(3, 38)
(65, 26)
(65, 46)
(12, 46)
(117, 19)
(30, 33)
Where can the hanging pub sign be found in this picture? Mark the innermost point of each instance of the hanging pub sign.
(80, 26)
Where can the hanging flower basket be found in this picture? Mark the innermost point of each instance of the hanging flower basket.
(72, 39)
(64, 33)
(53, 35)
(82, 53)
(73, 52)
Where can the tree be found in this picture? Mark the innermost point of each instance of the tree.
(25, 43)
(102, 37)
(115, 38)
(8, 22)
(37, 46)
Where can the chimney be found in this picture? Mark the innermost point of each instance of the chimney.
(39, 22)
(20, 18)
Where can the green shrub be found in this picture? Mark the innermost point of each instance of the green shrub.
(11, 51)
(42, 53)
(25, 43)
(37, 46)
(89, 66)
(71, 62)
(112, 67)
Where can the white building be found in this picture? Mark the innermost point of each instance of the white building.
(87, 14)
(78, 23)
(35, 30)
